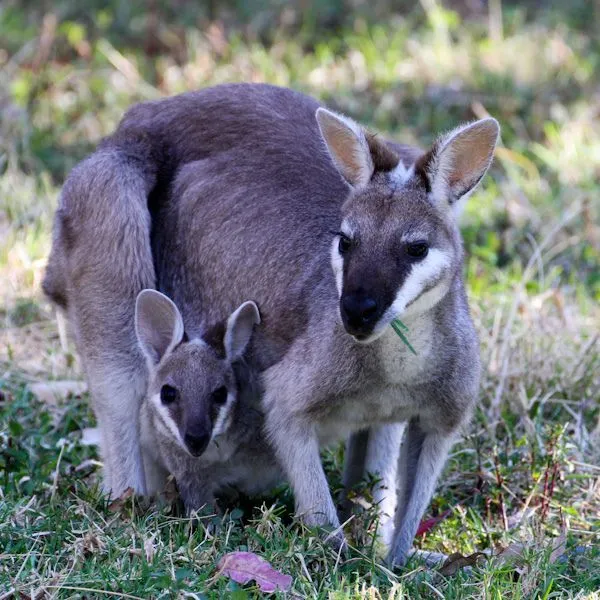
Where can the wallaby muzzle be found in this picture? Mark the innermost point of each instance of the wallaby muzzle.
(360, 313)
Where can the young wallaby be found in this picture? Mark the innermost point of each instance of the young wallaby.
(257, 191)
(196, 423)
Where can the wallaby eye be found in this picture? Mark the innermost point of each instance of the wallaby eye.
(344, 244)
(417, 249)
(168, 394)
(220, 396)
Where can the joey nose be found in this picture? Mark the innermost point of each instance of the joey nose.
(196, 442)
(359, 313)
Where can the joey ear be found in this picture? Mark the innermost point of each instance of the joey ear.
(459, 160)
(348, 147)
(158, 324)
(239, 330)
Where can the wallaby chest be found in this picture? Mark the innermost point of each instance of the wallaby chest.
(392, 379)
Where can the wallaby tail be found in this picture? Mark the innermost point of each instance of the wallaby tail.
(101, 234)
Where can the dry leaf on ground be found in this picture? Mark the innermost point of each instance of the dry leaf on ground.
(427, 525)
(457, 561)
(243, 567)
(559, 546)
(149, 548)
(118, 504)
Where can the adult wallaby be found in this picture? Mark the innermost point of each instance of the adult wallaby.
(258, 192)
(201, 420)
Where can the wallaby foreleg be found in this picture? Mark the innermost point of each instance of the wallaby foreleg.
(297, 449)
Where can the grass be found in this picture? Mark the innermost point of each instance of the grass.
(526, 475)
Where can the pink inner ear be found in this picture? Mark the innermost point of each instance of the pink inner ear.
(343, 144)
(471, 157)
(471, 153)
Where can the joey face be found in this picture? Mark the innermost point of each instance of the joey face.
(193, 393)
(192, 389)
(399, 247)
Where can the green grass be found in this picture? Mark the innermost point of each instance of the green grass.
(527, 470)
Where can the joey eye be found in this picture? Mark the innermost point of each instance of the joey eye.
(168, 394)
(219, 396)
(344, 244)
(417, 249)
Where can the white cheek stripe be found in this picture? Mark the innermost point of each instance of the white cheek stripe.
(337, 264)
(224, 418)
(346, 228)
(422, 274)
(162, 412)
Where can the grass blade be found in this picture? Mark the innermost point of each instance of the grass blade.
(400, 328)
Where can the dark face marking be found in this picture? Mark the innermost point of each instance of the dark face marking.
(389, 229)
(194, 384)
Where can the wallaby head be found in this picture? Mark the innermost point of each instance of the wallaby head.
(192, 388)
(398, 247)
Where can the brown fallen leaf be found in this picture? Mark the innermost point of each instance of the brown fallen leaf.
(243, 567)
(118, 504)
(457, 561)
(513, 553)
(559, 545)
(427, 525)
(91, 544)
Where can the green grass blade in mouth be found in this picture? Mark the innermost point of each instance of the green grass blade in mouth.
(400, 328)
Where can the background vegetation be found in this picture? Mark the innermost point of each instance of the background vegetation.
(526, 477)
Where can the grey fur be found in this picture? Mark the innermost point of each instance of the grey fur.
(244, 205)
(237, 455)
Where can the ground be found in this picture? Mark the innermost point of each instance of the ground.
(523, 484)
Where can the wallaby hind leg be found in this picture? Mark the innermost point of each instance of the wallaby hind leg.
(381, 462)
(354, 469)
(117, 392)
(422, 458)
(103, 225)
(375, 452)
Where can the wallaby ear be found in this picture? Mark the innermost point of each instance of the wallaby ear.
(459, 160)
(239, 330)
(348, 147)
(158, 324)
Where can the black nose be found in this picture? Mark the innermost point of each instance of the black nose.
(196, 442)
(359, 312)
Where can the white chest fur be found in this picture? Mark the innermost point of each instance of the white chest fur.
(399, 365)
